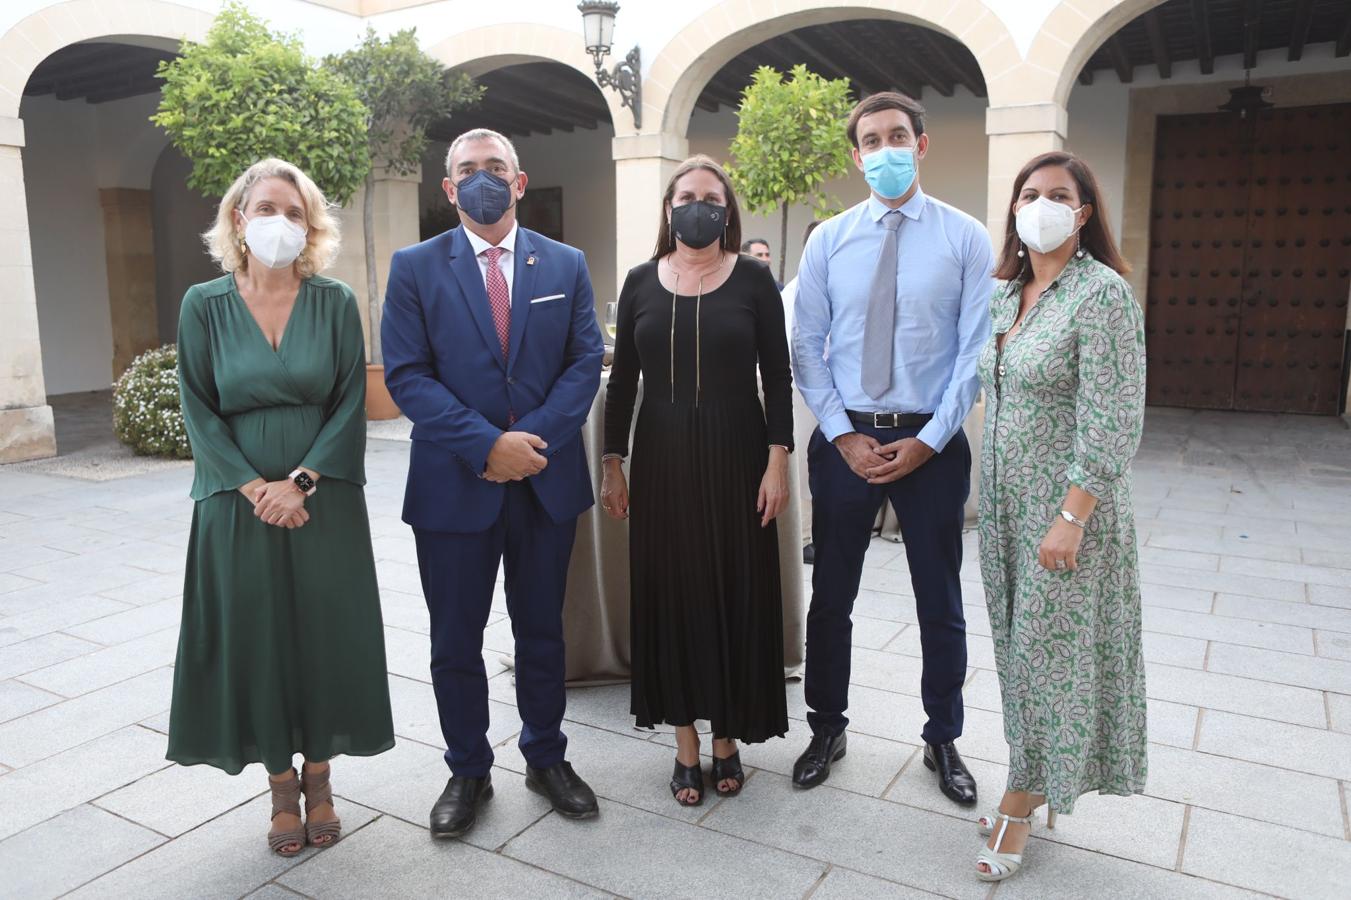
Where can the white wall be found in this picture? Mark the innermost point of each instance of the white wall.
(580, 163)
(66, 225)
(73, 149)
(954, 169)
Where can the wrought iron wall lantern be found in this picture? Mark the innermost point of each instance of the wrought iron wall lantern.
(598, 27)
(1251, 98)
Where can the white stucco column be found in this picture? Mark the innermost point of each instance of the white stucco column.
(1017, 133)
(26, 427)
(643, 164)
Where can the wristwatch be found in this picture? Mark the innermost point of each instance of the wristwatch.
(303, 482)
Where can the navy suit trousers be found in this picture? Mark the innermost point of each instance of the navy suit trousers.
(929, 503)
(459, 572)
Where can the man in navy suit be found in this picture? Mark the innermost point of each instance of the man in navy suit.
(491, 347)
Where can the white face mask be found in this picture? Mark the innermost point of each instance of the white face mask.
(1045, 225)
(274, 241)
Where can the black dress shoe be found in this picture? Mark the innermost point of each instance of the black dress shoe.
(809, 555)
(953, 778)
(568, 793)
(813, 766)
(456, 810)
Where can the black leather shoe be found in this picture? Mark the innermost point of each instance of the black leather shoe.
(809, 555)
(567, 792)
(813, 766)
(953, 778)
(456, 810)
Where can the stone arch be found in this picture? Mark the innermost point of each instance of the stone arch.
(37, 36)
(1072, 33)
(687, 62)
(481, 50)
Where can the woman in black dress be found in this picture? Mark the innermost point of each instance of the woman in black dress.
(710, 474)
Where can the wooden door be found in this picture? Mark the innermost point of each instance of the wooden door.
(1250, 260)
(1297, 273)
(1197, 237)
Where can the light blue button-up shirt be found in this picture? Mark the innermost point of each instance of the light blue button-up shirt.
(943, 285)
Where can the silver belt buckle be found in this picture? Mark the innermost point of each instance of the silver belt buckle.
(877, 420)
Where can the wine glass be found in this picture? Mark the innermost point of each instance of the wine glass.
(612, 319)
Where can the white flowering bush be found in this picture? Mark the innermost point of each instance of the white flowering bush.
(147, 413)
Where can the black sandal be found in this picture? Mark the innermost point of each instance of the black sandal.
(728, 769)
(687, 778)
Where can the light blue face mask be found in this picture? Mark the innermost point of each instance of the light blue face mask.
(890, 171)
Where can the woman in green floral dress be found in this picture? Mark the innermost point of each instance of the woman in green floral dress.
(1064, 380)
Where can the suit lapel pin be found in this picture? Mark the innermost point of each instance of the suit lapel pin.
(530, 260)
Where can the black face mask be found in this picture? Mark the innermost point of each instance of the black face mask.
(698, 224)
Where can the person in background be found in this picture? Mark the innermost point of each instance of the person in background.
(1064, 379)
(759, 248)
(710, 475)
(803, 421)
(899, 288)
(281, 648)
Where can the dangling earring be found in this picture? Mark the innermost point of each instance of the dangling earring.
(1079, 242)
(1021, 251)
(243, 247)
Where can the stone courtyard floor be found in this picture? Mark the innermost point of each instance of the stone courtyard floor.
(1245, 533)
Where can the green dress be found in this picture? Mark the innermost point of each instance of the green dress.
(281, 647)
(1065, 404)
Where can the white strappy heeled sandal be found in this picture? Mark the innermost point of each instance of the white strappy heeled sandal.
(985, 824)
(1001, 865)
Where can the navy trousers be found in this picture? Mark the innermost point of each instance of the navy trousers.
(929, 503)
(459, 572)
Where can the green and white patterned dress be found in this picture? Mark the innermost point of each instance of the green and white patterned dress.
(1065, 404)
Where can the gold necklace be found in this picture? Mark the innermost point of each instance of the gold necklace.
(698, 304)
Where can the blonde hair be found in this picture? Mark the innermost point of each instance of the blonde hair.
(224, 242)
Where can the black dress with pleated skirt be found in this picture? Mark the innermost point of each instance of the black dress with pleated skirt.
(706, 601)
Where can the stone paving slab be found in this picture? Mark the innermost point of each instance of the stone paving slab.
(1266, 857)
(1247, 594)
(697, 862)
(226, 857)
(68, 850)
(395, 859)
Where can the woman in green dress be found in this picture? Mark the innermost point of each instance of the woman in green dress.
(281, 648)
(1064, 380)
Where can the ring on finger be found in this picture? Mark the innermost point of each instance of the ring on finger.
(1061, 564)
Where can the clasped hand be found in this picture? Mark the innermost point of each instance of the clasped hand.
(515, 457)
(278, 503)
(878, 463)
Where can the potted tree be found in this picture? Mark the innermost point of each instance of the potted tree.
(404, 90)
(790, 139)
(248, 93)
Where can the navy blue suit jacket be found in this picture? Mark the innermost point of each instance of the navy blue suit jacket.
(444, 368)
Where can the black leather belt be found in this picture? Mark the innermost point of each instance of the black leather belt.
(889, 420)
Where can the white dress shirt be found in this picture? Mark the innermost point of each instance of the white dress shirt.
(506, 262)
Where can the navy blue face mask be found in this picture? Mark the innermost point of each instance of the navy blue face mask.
(484, 197)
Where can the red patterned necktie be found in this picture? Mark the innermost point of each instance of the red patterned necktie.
(499, 298)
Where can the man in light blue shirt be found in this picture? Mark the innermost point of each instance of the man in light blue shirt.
(891, 314)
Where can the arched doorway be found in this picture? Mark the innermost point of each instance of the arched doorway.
(872, 55)
(95, 303)
(1238, 222)
(547, 102)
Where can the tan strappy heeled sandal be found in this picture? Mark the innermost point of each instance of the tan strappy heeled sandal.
(318, 791)
(286, 799)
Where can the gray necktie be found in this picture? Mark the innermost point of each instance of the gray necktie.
(879, 329)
